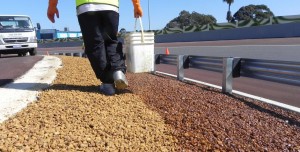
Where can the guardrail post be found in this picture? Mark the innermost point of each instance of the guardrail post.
(84, 55)
(76, 54)
(68, 54)
(227, 75)
(180, 70)
(182, 63)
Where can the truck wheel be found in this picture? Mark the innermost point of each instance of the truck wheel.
(32, 52)
(20, 54)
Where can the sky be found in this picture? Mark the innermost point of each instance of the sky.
(160, 12)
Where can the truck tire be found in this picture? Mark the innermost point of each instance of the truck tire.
(22, 54)
(32, 52)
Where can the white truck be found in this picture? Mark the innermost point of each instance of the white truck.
(17, 35)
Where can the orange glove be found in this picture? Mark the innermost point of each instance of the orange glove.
(52, 10)
(138, 12)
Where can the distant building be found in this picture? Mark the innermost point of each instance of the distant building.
(54, 34)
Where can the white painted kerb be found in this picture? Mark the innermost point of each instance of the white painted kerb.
(15, 96)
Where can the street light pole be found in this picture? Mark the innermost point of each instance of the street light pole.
(149, 14)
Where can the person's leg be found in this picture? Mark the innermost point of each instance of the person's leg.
(114, 49)
(91, 28)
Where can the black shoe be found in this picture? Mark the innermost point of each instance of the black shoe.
(107, 89)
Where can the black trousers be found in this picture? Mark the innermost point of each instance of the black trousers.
(99, 31)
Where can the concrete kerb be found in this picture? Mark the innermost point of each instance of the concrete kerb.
(24, 90)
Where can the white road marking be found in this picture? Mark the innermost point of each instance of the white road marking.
(24, 90)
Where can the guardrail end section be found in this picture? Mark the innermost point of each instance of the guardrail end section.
(157, 58)
(156, 61)
(236, 67)
(186, 62)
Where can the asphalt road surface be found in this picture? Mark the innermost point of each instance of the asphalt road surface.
(13, 66)
(284, 49)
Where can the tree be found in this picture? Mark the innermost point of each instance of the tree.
(200, 19)
(253, 12)
(229, 16)
(187, 19)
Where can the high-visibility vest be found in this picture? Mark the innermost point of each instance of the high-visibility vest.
(109, 2)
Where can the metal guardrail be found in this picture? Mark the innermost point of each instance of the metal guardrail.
(276, 71)
(284, 72)
(75, 54)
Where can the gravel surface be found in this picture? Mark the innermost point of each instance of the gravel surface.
(155, 113)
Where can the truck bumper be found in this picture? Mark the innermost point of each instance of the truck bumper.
(17, 48)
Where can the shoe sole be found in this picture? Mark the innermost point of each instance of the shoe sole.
(121, 84)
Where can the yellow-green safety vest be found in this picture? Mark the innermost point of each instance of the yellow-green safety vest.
(109, 2)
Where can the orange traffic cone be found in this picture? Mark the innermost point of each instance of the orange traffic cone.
(167, 51)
